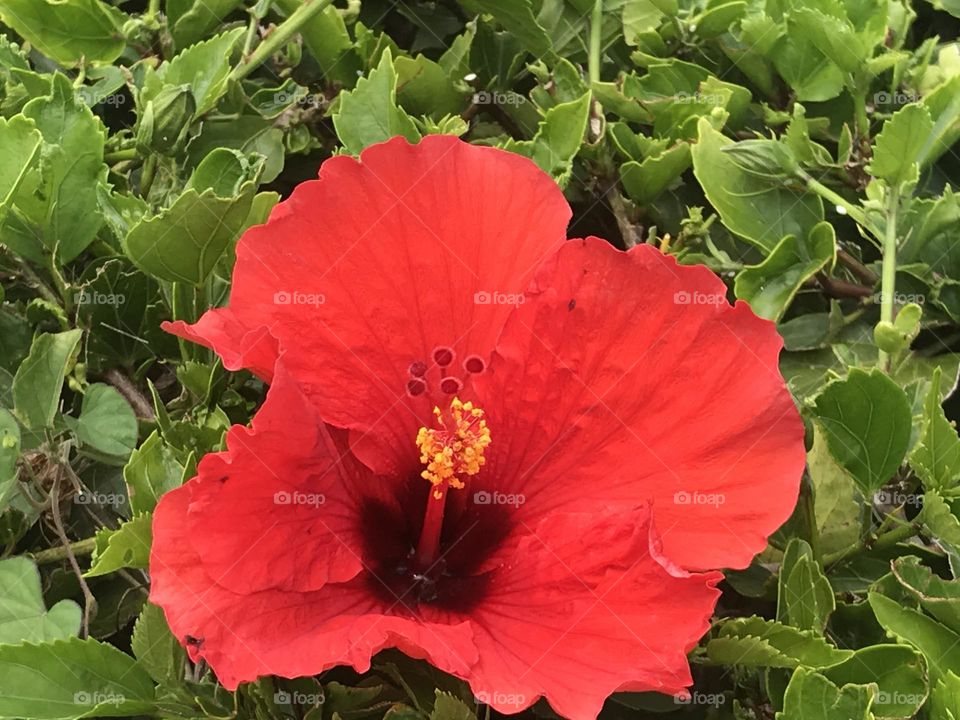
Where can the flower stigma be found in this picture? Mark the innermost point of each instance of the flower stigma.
(456, 448)
(451, 451)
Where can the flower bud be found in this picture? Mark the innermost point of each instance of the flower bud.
(165, 120)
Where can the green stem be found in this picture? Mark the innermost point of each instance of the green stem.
(147, 175)
(829, 195)
(52, 555)
(888, 279)
(120, 155)
(810, 515)
(873, 542)
(283, 32)
(596, 28)
(153, 9)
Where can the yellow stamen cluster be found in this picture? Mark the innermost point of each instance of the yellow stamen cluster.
(455, 448)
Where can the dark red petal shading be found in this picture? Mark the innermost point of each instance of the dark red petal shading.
(393, 256)
(278, 509)
(625, 377)
(584, 607)
(243, 636)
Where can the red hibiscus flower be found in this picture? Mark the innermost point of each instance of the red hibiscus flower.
(515, 456)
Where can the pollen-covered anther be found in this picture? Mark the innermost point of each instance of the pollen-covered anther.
(455, 448)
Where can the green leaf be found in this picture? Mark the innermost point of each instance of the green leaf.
(758, 210)
(424, 88)
(940, 519)
(9, 452)
(23, 615)
(836, 500)
(939, 597)
(517, 17)
(68, 31)
(938, 644)
(70, 679)
(936, 458)
(370, 114)
(866, 419)
(897, 149)
(755, 642)
(558, 138)
(645, 181)
(197, 20)
(57, 203)
(21, 141)
(204, 67)
(185, 241)
(156, 649)
(771, 286)
(127, 546)
(326, 38)
(151, 471)
(107, 423)
(945, 698)
(805, 598)
(39, 379)
(834, 36)
(898, 671)
(450, 707)
(810, 696)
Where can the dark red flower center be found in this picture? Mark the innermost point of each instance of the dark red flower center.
(429, 545)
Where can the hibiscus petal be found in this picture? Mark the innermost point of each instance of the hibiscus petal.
(283, 483)
(243, 636)
(378, 263)
(583, 608)
(625, 377)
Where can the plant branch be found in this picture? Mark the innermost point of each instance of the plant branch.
(873, 542)
(888, 280)
(283, 32)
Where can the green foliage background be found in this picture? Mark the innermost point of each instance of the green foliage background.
(803, 151)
